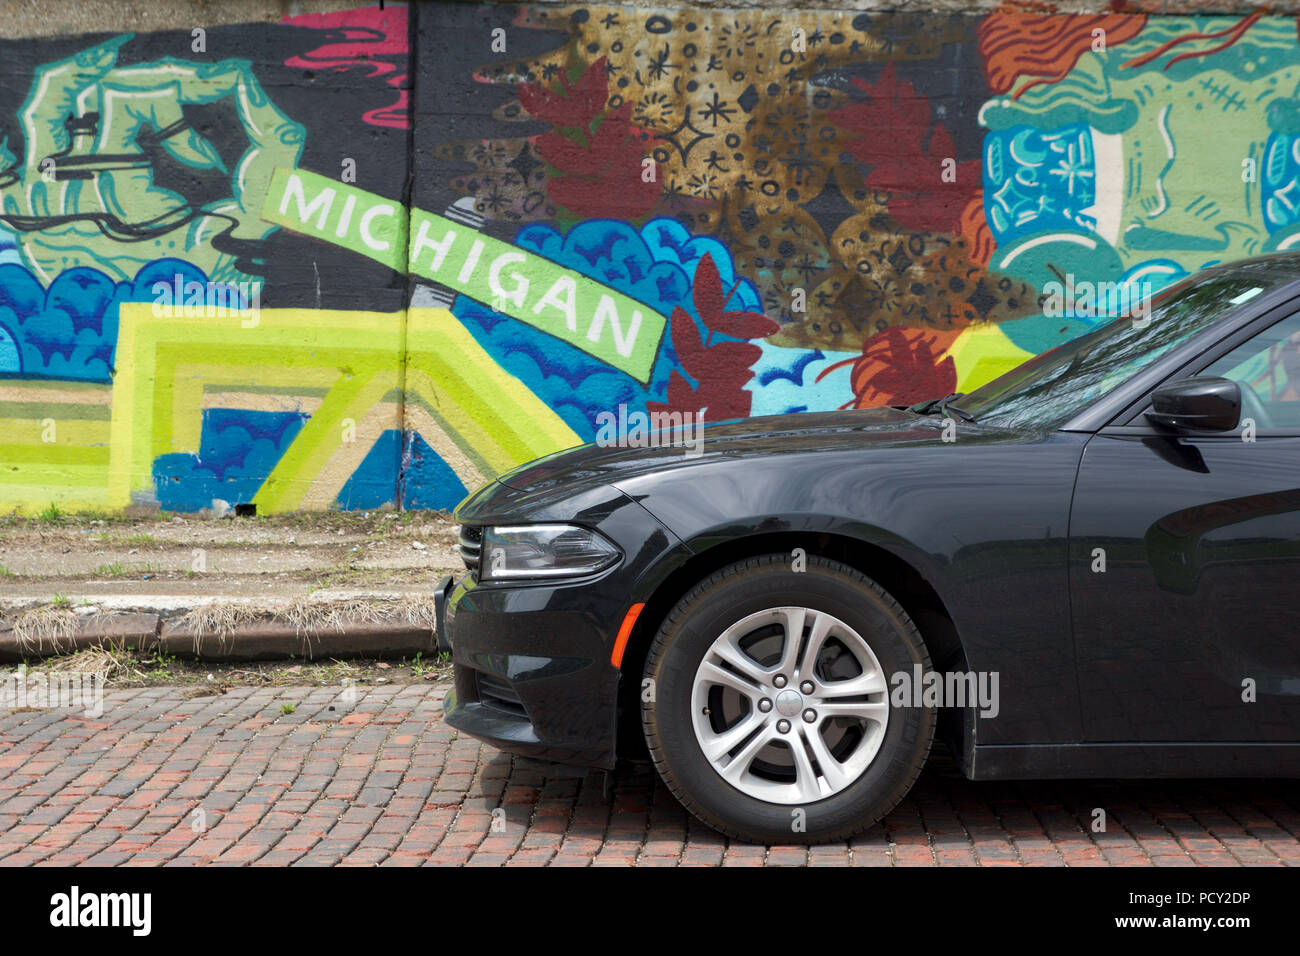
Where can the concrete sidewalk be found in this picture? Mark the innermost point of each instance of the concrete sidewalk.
(318, 584)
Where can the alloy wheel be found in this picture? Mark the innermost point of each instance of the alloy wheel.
(789, 705)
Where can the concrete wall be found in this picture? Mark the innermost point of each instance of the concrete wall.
(323, 257)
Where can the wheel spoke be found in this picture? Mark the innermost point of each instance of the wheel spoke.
(794, 618)
(832, 770)
(805, 781)
(822, 625)
(714, 674)
(740, 661)
(729, 739)
(871, 682)
(735, 770)
(876, 711)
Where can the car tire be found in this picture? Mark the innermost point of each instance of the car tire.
(808, 783)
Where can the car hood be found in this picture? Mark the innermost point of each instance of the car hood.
(800, 433)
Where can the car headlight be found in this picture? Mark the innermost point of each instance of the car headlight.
(544, 551)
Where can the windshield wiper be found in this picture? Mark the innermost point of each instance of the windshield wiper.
(947, 406)
(943, 405)
(929, 405)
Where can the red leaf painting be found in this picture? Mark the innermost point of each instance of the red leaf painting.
(720, 369)
(906, 154)
(596, 153)
(900, 366)
(579, 105)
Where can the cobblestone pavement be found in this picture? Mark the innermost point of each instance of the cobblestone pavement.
(165, 778)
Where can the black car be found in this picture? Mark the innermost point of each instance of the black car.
(1088, 567)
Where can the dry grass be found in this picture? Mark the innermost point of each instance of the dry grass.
(307, 617)
(113, 663)
(42, 630)
(220, 620)
(125, 668)
(310, 617)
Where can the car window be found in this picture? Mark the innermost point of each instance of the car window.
(1268, 364)
(1052, 387)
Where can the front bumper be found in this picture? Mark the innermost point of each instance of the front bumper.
(440, 613)
(532, 661)
(533, 671)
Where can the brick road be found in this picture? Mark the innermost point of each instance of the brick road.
(162, 778)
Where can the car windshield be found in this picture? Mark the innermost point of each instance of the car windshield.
(1051, 387)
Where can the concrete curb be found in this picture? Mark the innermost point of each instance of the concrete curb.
(265, 640)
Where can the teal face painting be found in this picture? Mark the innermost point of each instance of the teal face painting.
(1173, 150)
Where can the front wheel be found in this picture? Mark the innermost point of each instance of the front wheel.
(769, 714)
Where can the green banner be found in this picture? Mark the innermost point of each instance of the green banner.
(317, 206)
(601, 321)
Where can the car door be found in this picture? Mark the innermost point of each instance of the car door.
(1185, 562)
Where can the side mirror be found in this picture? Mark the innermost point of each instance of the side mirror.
(1197, 404)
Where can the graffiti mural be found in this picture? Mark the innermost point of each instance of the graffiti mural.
(291, 265)
(1171, 149)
